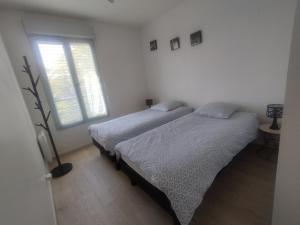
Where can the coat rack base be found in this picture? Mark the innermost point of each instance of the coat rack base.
(61, 170)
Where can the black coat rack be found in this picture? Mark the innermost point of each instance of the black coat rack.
(62, 168)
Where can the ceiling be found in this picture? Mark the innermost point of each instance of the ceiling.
(130, 12)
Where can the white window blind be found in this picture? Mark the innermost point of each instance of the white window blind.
(71, 76)
(88, 79)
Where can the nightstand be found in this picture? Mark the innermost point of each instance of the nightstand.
(271, 139)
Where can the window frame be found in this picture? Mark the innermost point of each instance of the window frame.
(65, 41)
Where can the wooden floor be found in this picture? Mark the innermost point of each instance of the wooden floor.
(94, 193)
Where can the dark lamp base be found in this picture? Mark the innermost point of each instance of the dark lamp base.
(274, 125)
(61, 170)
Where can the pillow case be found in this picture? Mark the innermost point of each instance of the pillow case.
(219, 110)
(167, 106)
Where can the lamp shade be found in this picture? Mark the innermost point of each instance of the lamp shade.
(275, 110)
(149, 102)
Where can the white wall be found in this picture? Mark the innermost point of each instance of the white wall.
(243, 57)
(25, 194)
(287, 196)
(121, 69)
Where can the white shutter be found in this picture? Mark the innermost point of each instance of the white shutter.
(60, 81)
(89, 83)
(72, 80)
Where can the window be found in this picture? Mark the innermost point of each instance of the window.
(71, 79)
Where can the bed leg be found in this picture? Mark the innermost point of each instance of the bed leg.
(175, 222)
(101, 149)
(175, 219)
(117, 165)
(132, 181)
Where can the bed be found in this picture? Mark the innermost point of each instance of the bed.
(179, 161)
(107, 134)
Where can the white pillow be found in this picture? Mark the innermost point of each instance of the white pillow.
(217, 110)
(167, 106)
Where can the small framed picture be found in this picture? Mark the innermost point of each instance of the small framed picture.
(153, 45)
(196, 38)
(175, 44)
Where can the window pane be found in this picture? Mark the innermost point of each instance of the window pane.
(60, 81)
(88, 79)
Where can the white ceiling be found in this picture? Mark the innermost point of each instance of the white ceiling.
(131, 12)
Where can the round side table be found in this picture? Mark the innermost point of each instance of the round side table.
(271, 140)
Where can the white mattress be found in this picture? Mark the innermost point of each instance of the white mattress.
(183, 157)
(110, 133)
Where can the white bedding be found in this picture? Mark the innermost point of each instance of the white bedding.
(110, 133)
(183, 157)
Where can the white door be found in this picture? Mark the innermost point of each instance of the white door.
(25, 194)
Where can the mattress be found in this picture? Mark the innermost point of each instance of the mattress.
(182, 158)
(110, 133)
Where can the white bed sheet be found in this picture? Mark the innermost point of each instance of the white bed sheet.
(183, 157)
(110, 133)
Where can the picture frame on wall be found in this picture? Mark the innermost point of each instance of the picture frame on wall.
(196, 38)
(153, 45)
(175, 43)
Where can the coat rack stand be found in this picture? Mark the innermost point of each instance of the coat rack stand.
(62, 168)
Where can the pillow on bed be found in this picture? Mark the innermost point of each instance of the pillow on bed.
(167, 106)
(217, 110)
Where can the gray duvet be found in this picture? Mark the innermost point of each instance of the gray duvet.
(183, 157)
(110, 133)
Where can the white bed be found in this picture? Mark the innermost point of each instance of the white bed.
(183, 157)
(110, 133)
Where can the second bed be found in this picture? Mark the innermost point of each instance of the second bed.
(107, 134)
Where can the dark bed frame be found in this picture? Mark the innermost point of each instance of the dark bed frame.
(137, 179)
(103, 151)
(153, 191)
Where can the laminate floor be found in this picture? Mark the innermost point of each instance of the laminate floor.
(94, 193)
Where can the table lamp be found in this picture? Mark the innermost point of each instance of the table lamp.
(149, 102)
(274, 111)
